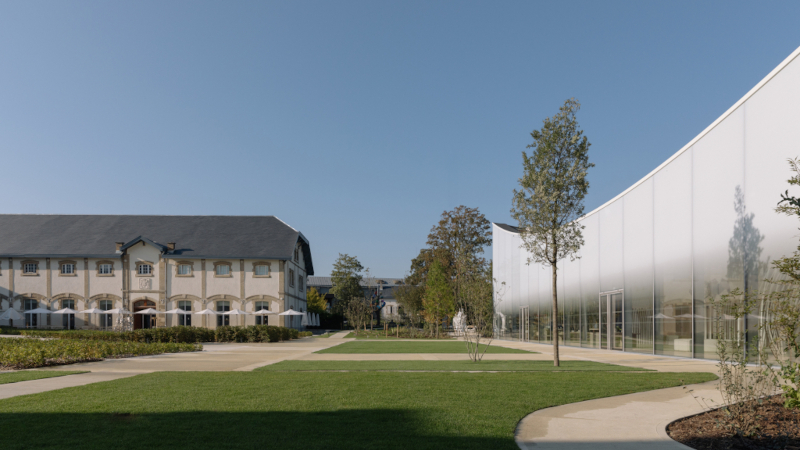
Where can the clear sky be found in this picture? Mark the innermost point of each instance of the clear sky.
(357, 123)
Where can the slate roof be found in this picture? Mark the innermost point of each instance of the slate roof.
(326, 281)
(246, 237)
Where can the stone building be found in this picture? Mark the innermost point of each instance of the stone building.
(162, 262)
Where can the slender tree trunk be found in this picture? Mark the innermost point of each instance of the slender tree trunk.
(554, 326)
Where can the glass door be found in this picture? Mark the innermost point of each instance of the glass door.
(611, 320)
(615, 310)
(524, 324)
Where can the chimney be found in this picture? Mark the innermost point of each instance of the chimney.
(171, 246)
(119, 246)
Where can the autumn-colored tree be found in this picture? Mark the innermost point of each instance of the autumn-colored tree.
(315, 301)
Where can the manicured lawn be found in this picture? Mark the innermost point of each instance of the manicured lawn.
(311, 410)
(411, 347)
(26, 375)
(500, 366)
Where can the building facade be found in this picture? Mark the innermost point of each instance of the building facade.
(191, 263)
(382, 288)
(700, 225)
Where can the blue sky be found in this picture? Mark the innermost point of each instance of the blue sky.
(357, 123)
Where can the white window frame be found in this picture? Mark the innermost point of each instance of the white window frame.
(68, 269)
(101, 269)
(140, 269)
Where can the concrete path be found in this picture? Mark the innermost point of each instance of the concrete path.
(340, 335)
(627, 422)
(214, 357)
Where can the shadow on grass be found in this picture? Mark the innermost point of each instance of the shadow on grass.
(346, 429)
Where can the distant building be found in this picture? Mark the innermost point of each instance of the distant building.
(133, 263)
(380, 287)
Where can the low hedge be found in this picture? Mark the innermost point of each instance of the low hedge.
(27, 353)
(9, 330)
(177, 334)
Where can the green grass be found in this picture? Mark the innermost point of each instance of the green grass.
(499, 366)
(412, 347)
(330, 410)
(26, 375)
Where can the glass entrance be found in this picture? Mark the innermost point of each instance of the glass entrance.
(611, 320)
(524, 324)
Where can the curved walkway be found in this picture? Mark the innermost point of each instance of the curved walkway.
(633, 421)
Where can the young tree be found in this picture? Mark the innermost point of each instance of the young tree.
(438, 301)
(315, 301)
(346, 279)
(476, 308)
(358, 311)
(550, 199)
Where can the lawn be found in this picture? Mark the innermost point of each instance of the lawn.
(26, 375)
(434, 366)
(305, 410)
(412, 347)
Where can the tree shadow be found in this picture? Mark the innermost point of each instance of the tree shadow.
(328, 430)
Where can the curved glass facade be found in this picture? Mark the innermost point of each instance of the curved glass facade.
(697, 227)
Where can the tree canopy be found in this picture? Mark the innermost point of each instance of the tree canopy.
(315, 301)
(346, 278)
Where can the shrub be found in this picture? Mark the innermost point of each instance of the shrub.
(285, 334)
(26, 353)
(305, 334)
(177, 334)
(274, 333)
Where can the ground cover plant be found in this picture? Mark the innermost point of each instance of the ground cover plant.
(16, 353)
(412, 347)
(299, 410)
(9, 330)
(439, 366)
(26, 375)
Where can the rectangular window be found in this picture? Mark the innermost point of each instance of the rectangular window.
(223, 307)
(145, 269)
(297, 254)
(223, 270)
(29, 268)
(262, 270)
(262, 320)
(105, 305)
(184, 269)
(300, 282)
(185, 319)
(291, 277)
(67, 269)
(104, 269)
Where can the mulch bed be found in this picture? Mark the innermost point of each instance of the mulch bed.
(779, 429)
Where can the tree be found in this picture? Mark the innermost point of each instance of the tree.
(457, 242)
(550, 199)
(476, 308)
(346, 280)
(438, 301)
(358, 311)
(409, 299)
(315, 301)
